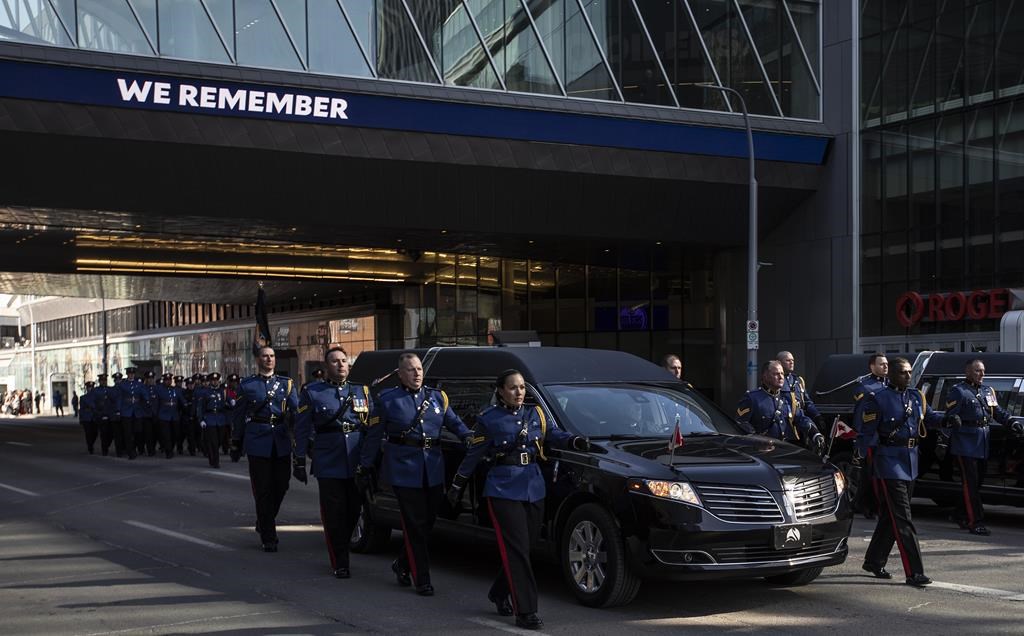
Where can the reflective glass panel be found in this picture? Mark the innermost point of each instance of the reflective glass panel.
(549, 16)
(490, 18)
(364, 21)
(33, 21)
(526, 68)
(146, 10)
(949, 60)
(799, 95)
(680, 52)
(1010, 158)
(764, 19)
(293, 13)
(634, 63)
(981, 39)
(745, 72)
(1010, 47)
(65, 9)
(400, 54)
(894, 75)
(332, 47)
(584, 73)
(261, 39)
(981, 191)
(110, 26)
(186, 32)
(921, 65)
(464, 60)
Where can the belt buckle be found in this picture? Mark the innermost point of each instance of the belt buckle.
(346, 427)
(912, 442)
(426, 442)
(524, 459)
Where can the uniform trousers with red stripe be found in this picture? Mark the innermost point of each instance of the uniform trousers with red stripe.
(972, 476)
(418, 508)
(867, 498)
(895, 526)
(340, 501)
(516, 527)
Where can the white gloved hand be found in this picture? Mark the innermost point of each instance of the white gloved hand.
(202, 424)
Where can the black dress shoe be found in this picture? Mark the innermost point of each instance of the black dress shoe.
(425, 590)
(880, 573)
(980, 530)
(918, 580)
(342, 573)
(401, 575)
(529, 621)
(503, 605)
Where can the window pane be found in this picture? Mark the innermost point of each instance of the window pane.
(542, 297)
(35, 22)
(262, 40)
(949, 55)
(572, 306)
(584, 74)
(526, 69)
(400, 55)
(950, 158)
(629, 52)
(981, 41)
(332, 46)
(110, 26)
(186, 32)
(895, 215)
(745, 74)
(635, 303)
(981, 192)
(799, 95)
(1010, 51)
(515, 304)
(464, 61)
(921, 67)
(894, 75)
(871, 183)
(603, 299)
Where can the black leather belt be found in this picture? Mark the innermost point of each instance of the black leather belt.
(422, 442)
(344, 427)
(910, 443)
(515, 459)
(975, 423)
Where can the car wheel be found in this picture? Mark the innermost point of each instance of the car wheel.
(593, 559)
(367, 536)
(793, 579)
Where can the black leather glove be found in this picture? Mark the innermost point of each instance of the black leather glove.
(953, 421)
(818, 444)
(364, 479)
(236, 450)
(299, 469)
(455, 490)
(579, 443)
(1017, 428)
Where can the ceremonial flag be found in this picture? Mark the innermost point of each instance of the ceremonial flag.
(840, 430)
(262, 338)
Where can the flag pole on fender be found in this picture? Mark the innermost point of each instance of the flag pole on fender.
(675, 442)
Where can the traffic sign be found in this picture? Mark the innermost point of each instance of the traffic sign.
(753, 335)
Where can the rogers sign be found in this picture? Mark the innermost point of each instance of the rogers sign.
(912, 307)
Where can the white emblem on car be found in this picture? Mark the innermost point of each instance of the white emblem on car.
(793, 534)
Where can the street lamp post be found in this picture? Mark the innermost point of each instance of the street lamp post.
(752, 325)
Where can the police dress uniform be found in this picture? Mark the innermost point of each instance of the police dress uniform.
(146, 402)
(231, 396)
(107, 408)
(409, 430)
(901, 419)
(212, 413)
(126, 390)
(169, 404)
(777, 415)
(87, 416)
(199, 393)
(976, 406)
(795, 384)
(266, 405)
(513, 439)
(332, 419)
(868, 496)
(189, 422)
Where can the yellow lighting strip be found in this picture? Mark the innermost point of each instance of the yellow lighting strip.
(268, 271)
(246, 247)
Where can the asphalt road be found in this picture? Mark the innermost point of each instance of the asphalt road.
(99, 545)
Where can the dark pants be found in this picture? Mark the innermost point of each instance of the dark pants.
(418, 508)
(187, 433)
(126, 434)
(166, 429)
(117, 427)
(60, 410)
(91, 432)
(516, 527)
(868, 496)
(139, 433)
(106, 434)
(150, 434)
(972, 476)
(211, 438)
(339, 511)
(895, 526)
(269, 478)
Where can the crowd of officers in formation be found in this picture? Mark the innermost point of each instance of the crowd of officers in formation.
(890, 418)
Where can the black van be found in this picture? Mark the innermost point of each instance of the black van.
(724, 506)
(935, 372)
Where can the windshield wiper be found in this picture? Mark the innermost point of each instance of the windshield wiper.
(700, 434)
(619, 436)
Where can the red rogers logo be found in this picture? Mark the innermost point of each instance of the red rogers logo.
(912, 307)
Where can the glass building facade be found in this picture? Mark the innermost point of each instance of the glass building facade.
(657, 52)
(942, 201)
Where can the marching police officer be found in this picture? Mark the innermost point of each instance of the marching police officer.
(107, 408)
(231, 398)
(87, 416)
(411, 417)
(332, 417)
(971, 406)
(795, 384)
(146, 405)
(116, 422)
(189, 422)
(266, 406)
(212, 412)
(901, 418)
(168, 413)
(773, 412)
(867, 495)
(513, 435)
(126, 394)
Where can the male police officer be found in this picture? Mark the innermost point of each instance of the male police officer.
(107, 409)
(867, 494)
(901, 418)
(772, 412)
(266, 406)
(87, 416)
(795, 384)
(126, 394)
(332, 417)
(673, 365)
(189, 423)
(231, 398)
(146, 403)
(168, 413)
(212, 413)
(411, 417)
(971, 406)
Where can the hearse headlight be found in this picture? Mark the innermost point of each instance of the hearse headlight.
(674, 490)
(840, 483)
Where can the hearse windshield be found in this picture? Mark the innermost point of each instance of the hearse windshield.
(638, 410)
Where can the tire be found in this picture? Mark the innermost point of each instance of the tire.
(369, 537)
(795, 579)
(593, 558)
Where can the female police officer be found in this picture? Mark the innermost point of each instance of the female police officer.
(513, 437)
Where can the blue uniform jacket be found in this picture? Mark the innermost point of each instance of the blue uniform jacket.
(169, 403)
(977, 407)
(145, 400)
(795, 384)
(503, 435)
(126, 390)
(108, 403)
(87, 406)
(262, 413)
(211, 407)
(866, 435)
(333, 418)
(412, 415)
(777, 416)
(901, 419)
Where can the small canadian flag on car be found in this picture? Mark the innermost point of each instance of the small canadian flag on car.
(676, 441)
(840, 430)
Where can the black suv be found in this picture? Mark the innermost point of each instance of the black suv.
(724, 505)
(935, 372)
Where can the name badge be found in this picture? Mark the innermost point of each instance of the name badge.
(359, 405)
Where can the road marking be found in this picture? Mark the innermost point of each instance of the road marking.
(979, 591)
(18, 444)
(505, 627)
(232, 475)
(177, 535)
(20, 491)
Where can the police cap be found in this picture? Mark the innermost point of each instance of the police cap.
(190, 380)
(90, 384)
(213, 377)
(167, 376)
(101, 376)
(233, 377)
(179, 378)
(319, 373)
(118, 376)
(149, 374)
(130, 370)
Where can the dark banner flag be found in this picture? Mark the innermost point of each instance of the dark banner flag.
(262, 338)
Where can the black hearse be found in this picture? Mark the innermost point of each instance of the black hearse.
(934, 372)
(724, 505)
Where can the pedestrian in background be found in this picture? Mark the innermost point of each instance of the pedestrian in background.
(58, 403)
(673, 365)
(74, 402)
